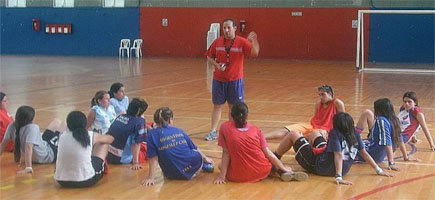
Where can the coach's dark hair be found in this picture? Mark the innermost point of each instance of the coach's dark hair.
(76, 123)
(384, 107)
(98, 95)
(327, 89)
(2, 95)
(344, 123)
(114, 88)
(24, 116)
(239, 113)
(162, 116)
(232, 20)
(137, 107)
(411, 95)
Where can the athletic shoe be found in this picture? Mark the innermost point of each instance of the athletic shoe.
(212, 135)
(294, 176)
(208, 167)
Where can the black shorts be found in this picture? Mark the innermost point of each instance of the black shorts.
(99, 166)
(52, 138)
(304, 153)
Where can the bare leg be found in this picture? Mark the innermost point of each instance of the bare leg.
(216, 116)
(57, 125)
(230, 106)
(287, 142)
(277, 134)
(316, 133)
(100, 150)
(311, 137)
(366, 119)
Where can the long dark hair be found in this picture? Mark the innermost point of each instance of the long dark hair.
(384, 107)
(239, 113)
(343, 122)
(137, 107)
(162, 116)
(24, 116)
(76, 122)
(114, 88)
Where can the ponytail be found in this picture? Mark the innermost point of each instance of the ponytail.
(162, 116)
(76, 122)
(239, 113)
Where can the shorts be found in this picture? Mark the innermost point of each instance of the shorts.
(99, 167)
(406, 137)
(305, 128)
(232, 92)
(304, 153)
(52, 138)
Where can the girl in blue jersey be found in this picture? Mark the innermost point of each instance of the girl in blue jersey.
(129, 133)
(118, 99)
(172, 149)
(385, 133)
(101, 114)
(334, 157)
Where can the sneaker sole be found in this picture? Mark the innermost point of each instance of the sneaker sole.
(296, 176)
(300, 176)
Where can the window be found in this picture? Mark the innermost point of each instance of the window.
(113, 3)
(63, 3)
(16, 3)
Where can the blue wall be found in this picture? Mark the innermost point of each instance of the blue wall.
(95, 31)
(404, 38)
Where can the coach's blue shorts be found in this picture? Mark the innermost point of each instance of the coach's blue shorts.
(232, 92)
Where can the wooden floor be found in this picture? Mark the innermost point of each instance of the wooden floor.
(277, 93)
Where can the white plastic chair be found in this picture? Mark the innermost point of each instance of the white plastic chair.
(137, 46)
(124, 45)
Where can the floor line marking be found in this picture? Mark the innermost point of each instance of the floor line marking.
(371, 192)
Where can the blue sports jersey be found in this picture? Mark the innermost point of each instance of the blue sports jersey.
(336, 143)
(122, 128)
(380, 137)
(177, 155)
(120, 106)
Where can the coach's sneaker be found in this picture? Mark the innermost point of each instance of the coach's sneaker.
(294, 176)
(212, 135)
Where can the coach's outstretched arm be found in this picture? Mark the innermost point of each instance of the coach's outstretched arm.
(252, 37)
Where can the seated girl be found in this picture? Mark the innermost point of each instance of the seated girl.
(30, 145)
(246, 156)
(173, 150)
(81, 154)
(129, 133)
(332, 158)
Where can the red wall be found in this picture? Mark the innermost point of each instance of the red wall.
(319, 34)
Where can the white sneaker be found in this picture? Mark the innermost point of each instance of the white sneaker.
(212, 135)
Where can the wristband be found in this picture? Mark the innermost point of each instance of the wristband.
(391, 163)
(339, 178)
(378, 170)
(338, 175)
(28, 168)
